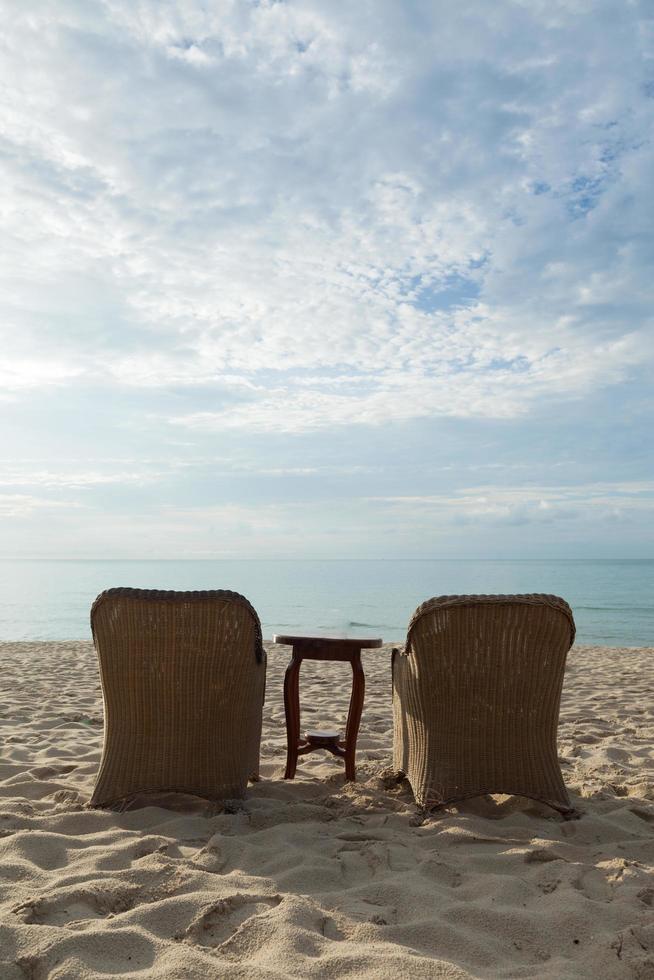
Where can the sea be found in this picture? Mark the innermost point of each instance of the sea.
(612, 600)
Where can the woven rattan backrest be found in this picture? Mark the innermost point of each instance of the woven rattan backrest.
(495, 654)
(476, 697)
(182, 678)
(505, 608)
(150, 607)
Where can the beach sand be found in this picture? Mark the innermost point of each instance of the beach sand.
(316, 877)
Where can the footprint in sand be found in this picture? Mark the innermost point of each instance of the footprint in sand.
(220, 921)
(371, 858)
(646, 815)
(441, 873)
(549, 885)
(542, 855)
(77, 907)
(594, 886)
(51, 772)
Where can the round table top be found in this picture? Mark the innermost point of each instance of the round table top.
(355, 642)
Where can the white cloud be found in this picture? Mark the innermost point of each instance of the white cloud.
(282, 187)
(20, 505)
(596, 503)
(510, 519)
(268, 227)
(20, 476)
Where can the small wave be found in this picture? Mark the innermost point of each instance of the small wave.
(638, 609)
(372, 626)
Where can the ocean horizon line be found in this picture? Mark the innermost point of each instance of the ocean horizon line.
(272, 558)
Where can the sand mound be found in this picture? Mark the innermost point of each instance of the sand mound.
(319, 878)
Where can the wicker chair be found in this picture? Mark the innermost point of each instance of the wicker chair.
(183, 680)
(476, 694)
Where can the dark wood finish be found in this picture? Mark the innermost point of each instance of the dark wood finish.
(327, 643)
(323, 648)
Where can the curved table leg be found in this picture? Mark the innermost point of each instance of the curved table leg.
(292, 711)
(354, 715)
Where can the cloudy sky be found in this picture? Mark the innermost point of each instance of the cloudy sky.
(366, 278)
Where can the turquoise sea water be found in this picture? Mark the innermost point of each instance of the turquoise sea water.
(612, 600)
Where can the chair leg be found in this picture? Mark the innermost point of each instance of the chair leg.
(292, 711)
(354, 716)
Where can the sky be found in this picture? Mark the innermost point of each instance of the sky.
(307, 279)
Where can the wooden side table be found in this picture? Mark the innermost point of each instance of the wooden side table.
(323, 648)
